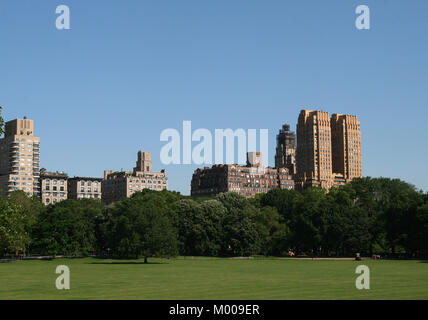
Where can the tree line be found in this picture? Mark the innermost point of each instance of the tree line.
(370, 216)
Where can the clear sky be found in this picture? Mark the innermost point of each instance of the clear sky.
(126, 70)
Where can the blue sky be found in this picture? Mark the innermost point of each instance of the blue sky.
(129, 69)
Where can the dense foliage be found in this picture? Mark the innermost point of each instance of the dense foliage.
(1, 122)
(370, 216)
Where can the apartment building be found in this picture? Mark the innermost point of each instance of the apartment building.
(84, 188)
(285, 156)
(246, 180)
(53, 186)
(346, 146)
(328, 149)
(123, 184)
(20, 158)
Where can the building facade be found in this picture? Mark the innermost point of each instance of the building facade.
(84, 188)
(285, 156)
(53, 186)
(328, 149)
(346, 146)
(123, 184)
(246, 180)
(20, 158)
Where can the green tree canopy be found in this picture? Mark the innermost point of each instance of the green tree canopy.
(141, 226)
(1, 122)
(68, 228)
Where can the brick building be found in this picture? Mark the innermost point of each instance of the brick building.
(246, 180)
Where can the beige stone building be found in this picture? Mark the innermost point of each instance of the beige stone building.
(20, 158)
(346, 146)
(123, 184)
(328, 149)
(53, 187)
(84, 188)
(313, 154)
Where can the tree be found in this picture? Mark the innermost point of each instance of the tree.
(69, 227)
(241, 237)
(273, 231)
(421, 234)
(141, 226)
(285, 201)
(14, 235)
(200, 227)
(1, 122)
(29, 208)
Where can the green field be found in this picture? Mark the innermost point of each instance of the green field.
(205, 278)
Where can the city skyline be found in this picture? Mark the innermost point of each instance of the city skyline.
(122, 74)
(122, 169)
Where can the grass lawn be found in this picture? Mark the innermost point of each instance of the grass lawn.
(206, 278)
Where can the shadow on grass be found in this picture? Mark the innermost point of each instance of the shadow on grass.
(126, 262)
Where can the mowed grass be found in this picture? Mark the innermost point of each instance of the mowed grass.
(206, 278)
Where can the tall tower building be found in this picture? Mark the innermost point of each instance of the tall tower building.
(285, 156)
(313, 154)
(346, 146)
(20, 158)
(144, 162)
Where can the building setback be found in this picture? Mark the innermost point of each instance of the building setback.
(84, 188)
(246, 180)
(53, 186)
(20, 158)
(123, 184)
